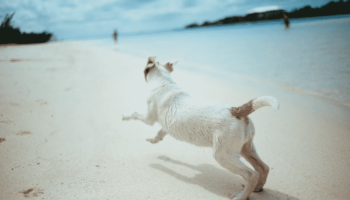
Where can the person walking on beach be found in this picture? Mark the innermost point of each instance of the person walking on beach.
(286, 20)
(115, 36)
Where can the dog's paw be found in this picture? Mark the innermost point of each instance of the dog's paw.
(153, 140)
(127, 116)
(259, 186)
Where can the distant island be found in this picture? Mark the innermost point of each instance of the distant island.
(11, 35)
(332, 8)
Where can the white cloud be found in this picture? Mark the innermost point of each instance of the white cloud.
(81, 18)
(265, 8)
(127, 15)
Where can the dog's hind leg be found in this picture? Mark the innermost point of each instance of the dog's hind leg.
(160, 135)
(249, 153)
(228, 158)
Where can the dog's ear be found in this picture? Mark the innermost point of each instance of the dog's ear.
(151, 63)
(169, 66)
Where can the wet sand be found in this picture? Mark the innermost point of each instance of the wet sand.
(62, 137)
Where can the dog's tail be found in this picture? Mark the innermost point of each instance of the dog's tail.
(244, 110)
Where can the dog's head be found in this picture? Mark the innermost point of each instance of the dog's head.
(152, 66)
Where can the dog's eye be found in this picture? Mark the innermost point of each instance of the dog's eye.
(146, 71)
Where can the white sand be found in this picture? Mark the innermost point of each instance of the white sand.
(60, 115)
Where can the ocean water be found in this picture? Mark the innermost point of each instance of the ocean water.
(311, 57)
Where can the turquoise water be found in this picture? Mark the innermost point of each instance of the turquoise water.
(312, 56)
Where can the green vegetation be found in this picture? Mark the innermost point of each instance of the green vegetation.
(332, 8)
(11, 35)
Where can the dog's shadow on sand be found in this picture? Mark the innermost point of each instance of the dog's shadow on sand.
(218, 181)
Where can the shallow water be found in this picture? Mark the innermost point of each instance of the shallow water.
(312, 56)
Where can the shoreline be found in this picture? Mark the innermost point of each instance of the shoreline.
(244, 78)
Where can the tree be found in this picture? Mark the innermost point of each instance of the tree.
(7, 21)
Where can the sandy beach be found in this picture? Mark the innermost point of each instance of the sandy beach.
(62, 137)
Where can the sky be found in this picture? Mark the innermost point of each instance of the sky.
(79, 19)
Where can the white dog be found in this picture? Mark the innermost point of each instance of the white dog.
(227, 129)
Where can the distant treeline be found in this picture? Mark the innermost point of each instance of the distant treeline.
(11, 35)
(332, 8)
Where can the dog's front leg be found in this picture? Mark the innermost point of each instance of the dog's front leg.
(149, 118)
(160, 135)
(146, 118)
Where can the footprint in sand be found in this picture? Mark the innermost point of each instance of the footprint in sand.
(24, 133)
(14, 104)
(7, 122)
(32, 192)
(42, 102)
